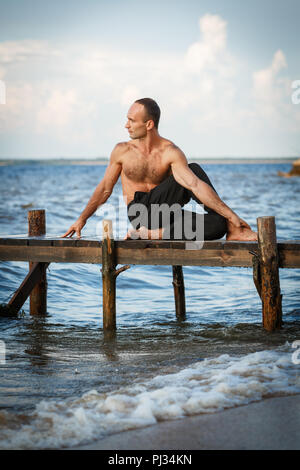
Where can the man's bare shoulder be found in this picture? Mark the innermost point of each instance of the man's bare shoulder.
(173, 153)
(119, 151)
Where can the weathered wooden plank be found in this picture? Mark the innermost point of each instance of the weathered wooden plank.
(183, 257)
(289, 254)
(53, 254)
(238, 246)
(142, 244)
(133, 244)
(65, 242)
(39, 242)
(288, 258)
(89, 243)
(13, 241)
(181, 244)
(89, 251)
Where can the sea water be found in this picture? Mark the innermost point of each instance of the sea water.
(64, 384)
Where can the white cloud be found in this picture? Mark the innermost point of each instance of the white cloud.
(266, 85)
(104, 77)
(17, 112)
(272, 98)
(2, 92)
(76, 94)
(57, 111)
(12, 52)
(129, 95)
(208, 51)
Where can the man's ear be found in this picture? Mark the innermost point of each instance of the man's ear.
(150, 125)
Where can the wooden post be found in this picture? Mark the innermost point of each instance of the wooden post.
(269, 273)
(38, 296)
(179, 295)
(108, 277)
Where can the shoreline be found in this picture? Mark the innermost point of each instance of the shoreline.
(103, 161)
(270, 424)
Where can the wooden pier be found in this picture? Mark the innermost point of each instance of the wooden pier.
(265, 257)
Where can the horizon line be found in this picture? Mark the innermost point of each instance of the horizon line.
(276, 157)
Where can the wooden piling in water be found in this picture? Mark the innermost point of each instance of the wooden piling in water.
(108, 277)
(269, 273)
(179, 294)
(38, 296)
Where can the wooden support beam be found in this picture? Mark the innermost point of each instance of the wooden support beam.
(141, 252)
(179, 294)
(38, 296)
(108, 277)
(256, 273)
(214, 253)
(269, 272)
(35, 274)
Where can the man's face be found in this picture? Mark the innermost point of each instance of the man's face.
(136, 121)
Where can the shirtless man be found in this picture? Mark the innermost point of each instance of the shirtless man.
(154, 170)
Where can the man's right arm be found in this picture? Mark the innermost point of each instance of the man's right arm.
(101, 193)
(186, 178)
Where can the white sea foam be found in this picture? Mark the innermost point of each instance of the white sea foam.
(205, 387)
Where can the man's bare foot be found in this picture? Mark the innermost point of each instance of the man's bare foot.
(241, 234)
(144, 234)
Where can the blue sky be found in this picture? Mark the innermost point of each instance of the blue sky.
(221, 71)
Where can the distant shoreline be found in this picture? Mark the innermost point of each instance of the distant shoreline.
(103, 161)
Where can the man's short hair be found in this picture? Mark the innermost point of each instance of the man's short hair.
(152, 109)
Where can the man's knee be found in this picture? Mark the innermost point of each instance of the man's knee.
(217, 227)
(194, 166)
(200, 173)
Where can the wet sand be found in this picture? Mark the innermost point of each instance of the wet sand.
(271, 424)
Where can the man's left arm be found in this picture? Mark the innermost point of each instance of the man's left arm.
(205, 193)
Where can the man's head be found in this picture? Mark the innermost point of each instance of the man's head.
(152, 110)
(143, 116)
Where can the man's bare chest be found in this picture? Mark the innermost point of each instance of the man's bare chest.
(139, 169)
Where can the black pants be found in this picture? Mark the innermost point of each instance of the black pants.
(170, 192)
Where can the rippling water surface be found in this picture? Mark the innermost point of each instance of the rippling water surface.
(63, 378)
